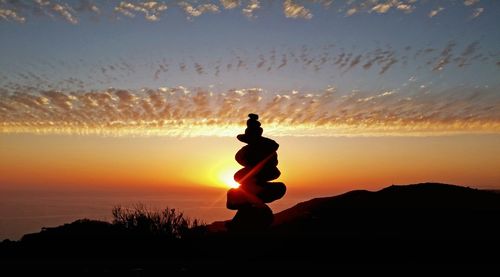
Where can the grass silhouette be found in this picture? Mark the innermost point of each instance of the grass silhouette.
(168, 223)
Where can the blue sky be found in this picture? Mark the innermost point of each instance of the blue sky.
(370, 48)
(79, 50)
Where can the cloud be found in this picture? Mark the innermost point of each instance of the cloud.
(388, 65)
(193, 11)
(66, 12)
(470, 2)
(59, 100)
(250, 9)
(262, 62)
(179, 111)
(351, 11)
(354, 62)
(294, 10)
(445, 57)
(284, 61)
(405, 8)
(199, 68)
(321, 59)
(435, 12)
(71, 10)
(230, 4)
(11, 15)
(42, 2)
(382, 8)
(88, 6)
(152, 10)
(467, 53)
(477, 12)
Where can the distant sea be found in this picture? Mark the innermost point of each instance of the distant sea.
(27, 211)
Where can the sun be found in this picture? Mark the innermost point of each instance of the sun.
(226, 177)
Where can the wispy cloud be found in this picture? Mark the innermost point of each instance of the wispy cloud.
(407, 8)
(179, 111)
(151, 9)
(382, 8)
(470, 2)
(477, 12)
(294, 10)
(88, 6)
(445, 57)
(435, 12)
(195, 11)
(66, 12)
(11, 15)
(319, 60)
(230, 4)
(250, 8)
(351, 11)
(70, 11)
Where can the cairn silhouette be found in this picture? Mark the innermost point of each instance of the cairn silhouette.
(259, 160)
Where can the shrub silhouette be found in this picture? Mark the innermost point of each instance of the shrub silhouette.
(168, 223)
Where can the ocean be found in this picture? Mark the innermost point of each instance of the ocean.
(28, 211)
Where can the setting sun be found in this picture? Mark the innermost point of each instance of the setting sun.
(227, 178)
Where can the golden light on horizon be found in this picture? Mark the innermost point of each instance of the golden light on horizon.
(226, 177)
(220, 169)
(333, 164)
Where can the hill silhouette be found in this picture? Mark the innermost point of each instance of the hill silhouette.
(421, 211)
(431, 223)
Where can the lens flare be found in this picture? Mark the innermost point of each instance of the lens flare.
(226, 177)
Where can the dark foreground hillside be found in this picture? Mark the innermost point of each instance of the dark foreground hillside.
(414, 224)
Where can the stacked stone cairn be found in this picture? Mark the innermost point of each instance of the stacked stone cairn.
(259, 160)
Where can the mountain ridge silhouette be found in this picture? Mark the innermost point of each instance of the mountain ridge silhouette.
(433, 196)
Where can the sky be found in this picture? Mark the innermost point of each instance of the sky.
(394, 66)
(150, 95)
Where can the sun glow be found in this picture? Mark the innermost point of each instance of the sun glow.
(226, 177)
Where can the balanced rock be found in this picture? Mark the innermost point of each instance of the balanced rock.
(260, 161)
(273, 191)
(256, 174)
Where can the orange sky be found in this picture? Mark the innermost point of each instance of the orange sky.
(309, 164)
(47, 180)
